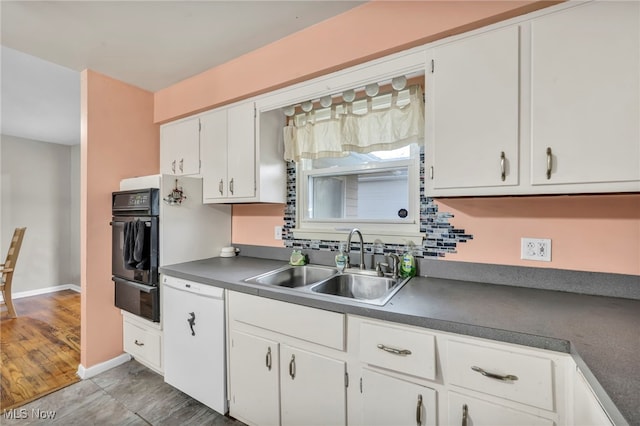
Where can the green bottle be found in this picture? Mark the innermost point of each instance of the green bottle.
(408, 265)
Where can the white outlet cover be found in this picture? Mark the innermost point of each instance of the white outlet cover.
(277, 232)
(536, 249)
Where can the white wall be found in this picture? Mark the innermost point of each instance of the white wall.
(40, 190)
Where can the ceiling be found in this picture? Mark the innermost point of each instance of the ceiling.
(149, 44)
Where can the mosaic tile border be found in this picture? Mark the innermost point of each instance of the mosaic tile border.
(442, 237)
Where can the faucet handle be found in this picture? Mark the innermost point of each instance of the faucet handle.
(379, 266)
(396, 264)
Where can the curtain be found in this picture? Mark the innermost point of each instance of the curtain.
(375, 130)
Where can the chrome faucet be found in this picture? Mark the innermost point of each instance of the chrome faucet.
(356, 231)
(396, 264)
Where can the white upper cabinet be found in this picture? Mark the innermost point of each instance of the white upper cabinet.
(585, 90)
(228, 147)
(240, 161)
(548, 105)
(180, 147)
(473, 105)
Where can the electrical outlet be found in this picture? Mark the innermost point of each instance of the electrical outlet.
(278, 232)
(536, 249)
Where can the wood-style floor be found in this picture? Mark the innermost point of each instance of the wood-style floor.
(40, 350)
(129, 394)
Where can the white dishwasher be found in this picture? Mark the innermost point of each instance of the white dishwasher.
(194, 340)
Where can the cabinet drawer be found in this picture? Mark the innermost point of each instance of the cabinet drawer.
(142, 344)
(532, 376)
(399, 349)
(310, 324)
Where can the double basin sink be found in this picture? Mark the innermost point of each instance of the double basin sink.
(358, 285)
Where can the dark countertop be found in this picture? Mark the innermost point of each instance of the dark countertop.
(601, 333)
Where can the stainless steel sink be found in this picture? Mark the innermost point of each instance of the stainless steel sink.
(294, 276)
(324, 281)
(364, 288)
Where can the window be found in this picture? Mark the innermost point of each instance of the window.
(358, 165)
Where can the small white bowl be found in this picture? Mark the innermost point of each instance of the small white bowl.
(228, 252)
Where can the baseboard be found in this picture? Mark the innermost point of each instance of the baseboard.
(45, 290)
(86, 373)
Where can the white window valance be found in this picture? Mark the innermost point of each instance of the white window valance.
(344, 131)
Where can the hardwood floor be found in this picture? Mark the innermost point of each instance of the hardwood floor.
(40, 350)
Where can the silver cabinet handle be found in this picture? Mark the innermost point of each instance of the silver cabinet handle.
(503, 173)
(173, 166)
(231, 186)
(431, 172)
(268, 358)
(138, 343)
(220, 186)
(507, 378)
(181, 167)
(395, 351)
(292, 367)
(465, 414)
(549, 162)
(419, 411)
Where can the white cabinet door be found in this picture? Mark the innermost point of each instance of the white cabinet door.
(253, 378)
(473, 112)
(587, 410)
(228, 154)
(214, 155)
(585, 83)
(313, 390)
(241, 151)
(465, 410)
(180, 148)
(391, 401)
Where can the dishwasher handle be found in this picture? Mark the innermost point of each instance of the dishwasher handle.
(192, 321)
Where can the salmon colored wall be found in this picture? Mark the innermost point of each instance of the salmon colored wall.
(599, 233)
(369, 31)
(254, 224)
(118, 140)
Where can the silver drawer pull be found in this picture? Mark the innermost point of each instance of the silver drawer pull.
(465, 415)
(395, 351)
(507, 378)
(138, 343)
(268, 358)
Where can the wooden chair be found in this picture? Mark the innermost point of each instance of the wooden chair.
(8, 267)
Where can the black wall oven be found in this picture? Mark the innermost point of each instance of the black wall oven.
(135, 251)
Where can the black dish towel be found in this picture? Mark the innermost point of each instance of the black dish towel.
(140, 255)
(128, 245)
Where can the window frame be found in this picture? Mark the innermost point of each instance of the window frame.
(392, 231)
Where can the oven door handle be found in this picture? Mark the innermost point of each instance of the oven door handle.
(147, 223)
(141, 287)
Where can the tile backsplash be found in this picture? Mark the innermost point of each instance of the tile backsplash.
(442, 237)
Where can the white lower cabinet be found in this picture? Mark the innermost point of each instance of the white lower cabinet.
(388, 400)
(254, 374)
(312, 388)
(142, 339)
(587, 410)
(467, 411)
(294, 365)
(286, 363)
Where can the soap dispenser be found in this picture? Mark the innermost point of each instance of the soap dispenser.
(408, 264)
(341, 259)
